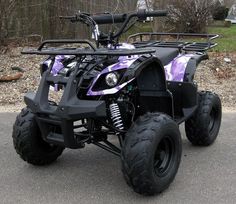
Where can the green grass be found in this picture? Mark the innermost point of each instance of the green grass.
(138, 28)
(227, 40)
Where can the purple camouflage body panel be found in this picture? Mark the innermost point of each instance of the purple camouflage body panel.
(174, 71)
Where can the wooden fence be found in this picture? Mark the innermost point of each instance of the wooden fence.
(41, 17)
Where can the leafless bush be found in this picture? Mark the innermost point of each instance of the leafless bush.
(190, 15)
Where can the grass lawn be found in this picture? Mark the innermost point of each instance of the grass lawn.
(227, 40)
(137, 28)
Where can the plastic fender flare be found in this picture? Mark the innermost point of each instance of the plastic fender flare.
(143, 64)
(150, 76)
(192, 66)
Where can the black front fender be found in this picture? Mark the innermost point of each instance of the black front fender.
(151, 82)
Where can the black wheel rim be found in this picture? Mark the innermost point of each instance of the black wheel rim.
(164, 156)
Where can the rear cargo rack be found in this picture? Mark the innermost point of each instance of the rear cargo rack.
(175, 40)
(78, 51)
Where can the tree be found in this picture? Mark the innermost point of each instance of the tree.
(6, 9)
(219, 12)
(41, 17)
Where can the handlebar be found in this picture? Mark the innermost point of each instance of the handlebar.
(157, 13)
(118, 18)
(142, 15)
(109, 18)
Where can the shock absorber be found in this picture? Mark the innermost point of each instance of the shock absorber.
(116, 116)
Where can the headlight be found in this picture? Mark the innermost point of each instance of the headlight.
(112, 79)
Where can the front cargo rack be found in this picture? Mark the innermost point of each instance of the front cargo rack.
(174, 40)
(78, 51)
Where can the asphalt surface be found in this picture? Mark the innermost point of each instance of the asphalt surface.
(91, 175)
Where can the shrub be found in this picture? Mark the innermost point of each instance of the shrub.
(220, 12)
(189, 15)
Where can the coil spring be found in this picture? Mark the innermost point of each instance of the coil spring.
(116, 116)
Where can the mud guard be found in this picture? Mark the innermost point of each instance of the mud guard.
(192, 66)
(151, 81)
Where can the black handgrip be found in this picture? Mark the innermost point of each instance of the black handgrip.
(143, 14)
(109, 18)
(160, 13)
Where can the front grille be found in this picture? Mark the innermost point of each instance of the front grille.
(86, 83)
(84, 87)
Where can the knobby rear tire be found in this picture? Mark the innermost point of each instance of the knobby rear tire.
(203, 127)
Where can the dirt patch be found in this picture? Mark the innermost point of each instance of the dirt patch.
(215, 75)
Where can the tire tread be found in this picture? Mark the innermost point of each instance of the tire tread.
(196, 131)
(135, 159)
(25, 143)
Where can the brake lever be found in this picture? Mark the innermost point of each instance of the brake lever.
(78, 18)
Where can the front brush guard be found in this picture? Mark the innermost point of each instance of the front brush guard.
(56, 121)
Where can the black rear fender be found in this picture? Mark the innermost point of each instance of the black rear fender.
(192, 66)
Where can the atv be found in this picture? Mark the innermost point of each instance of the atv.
(138, 92)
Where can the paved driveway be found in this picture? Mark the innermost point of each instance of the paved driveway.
(90, 175)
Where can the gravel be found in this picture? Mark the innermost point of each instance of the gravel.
(218, 76)
(11, 93)
(215, 75)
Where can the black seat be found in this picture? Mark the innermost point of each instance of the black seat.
(166, 55)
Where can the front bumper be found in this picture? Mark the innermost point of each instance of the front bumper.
(56, 122)
(71, 110)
